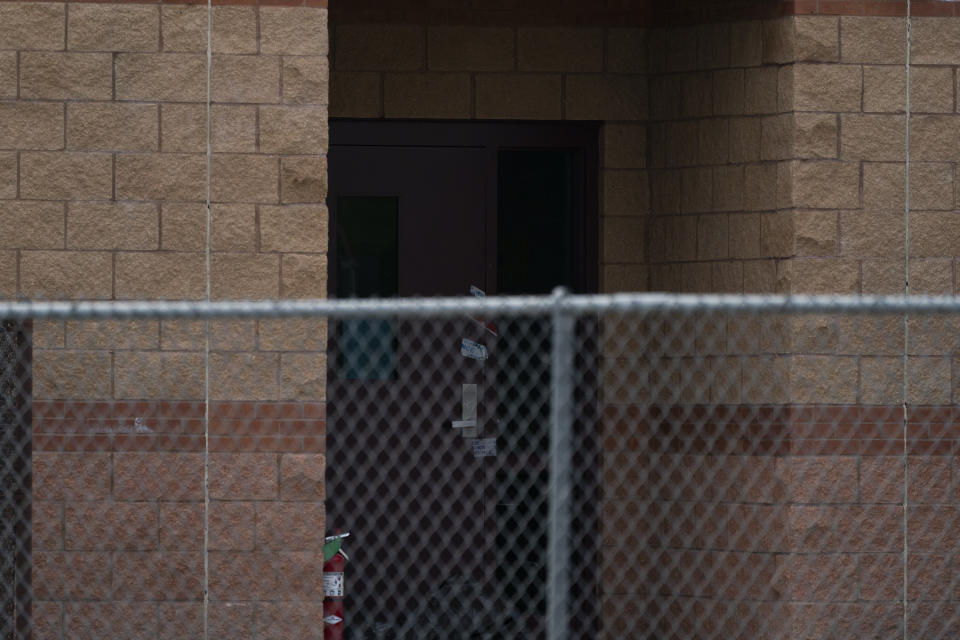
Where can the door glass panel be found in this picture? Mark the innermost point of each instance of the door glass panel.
(366, 268)
(535, 193)
(367, 246)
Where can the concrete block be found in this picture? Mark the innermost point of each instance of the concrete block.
(176, 77)
(26, 25)
(161, 177)
(66, 76)
(468, 48)
(236, 177)
(169, 375)
(877, 40)
(100, 27)
(606, 97)
(160, 276)
(47, 175)
(304, 276)
(298, 31)
(236, 276)
(565, 49)
(932, 40)
(239, 78)
(518, 96)
(827, 87)
(293, 130)
(66, 274)
(872, 137)
(626, 50)
(303, 180)
(427, 95)
(31, 225)
(105, 225)
(355, 95)
(379, 48)
(112, 126)
(885, 88)
(816, 38)
(306, 80)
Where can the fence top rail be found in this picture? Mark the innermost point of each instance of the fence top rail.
(558, 302)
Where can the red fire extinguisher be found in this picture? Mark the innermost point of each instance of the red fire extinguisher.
(334, 559)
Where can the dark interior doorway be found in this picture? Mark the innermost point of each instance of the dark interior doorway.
(448, 543)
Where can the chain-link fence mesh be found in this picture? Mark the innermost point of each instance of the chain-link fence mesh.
(609, 467)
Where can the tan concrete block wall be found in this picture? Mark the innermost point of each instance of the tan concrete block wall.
(103, 192)
(836, 225)
(718, 138)
(819, 206)
(719, 146)
(932, 373)
(851, 178)
(104, 179)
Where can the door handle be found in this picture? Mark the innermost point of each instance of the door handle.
(468, 401)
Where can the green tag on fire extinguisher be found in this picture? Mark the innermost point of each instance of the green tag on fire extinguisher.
(332, 545)
(330, 549)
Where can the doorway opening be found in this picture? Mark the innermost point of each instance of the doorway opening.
(449, 542)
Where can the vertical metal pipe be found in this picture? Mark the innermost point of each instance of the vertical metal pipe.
(561, 461)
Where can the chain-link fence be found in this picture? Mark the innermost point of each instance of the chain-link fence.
(558, 467)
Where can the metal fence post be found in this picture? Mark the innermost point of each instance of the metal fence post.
(561, 461)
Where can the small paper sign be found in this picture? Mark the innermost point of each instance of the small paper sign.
(485, 448)
(472, 349)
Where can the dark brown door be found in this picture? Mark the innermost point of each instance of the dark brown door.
(447, 536)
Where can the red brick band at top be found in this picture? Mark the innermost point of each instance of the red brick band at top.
(320, 4)
(678, 12)
(620, 13)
